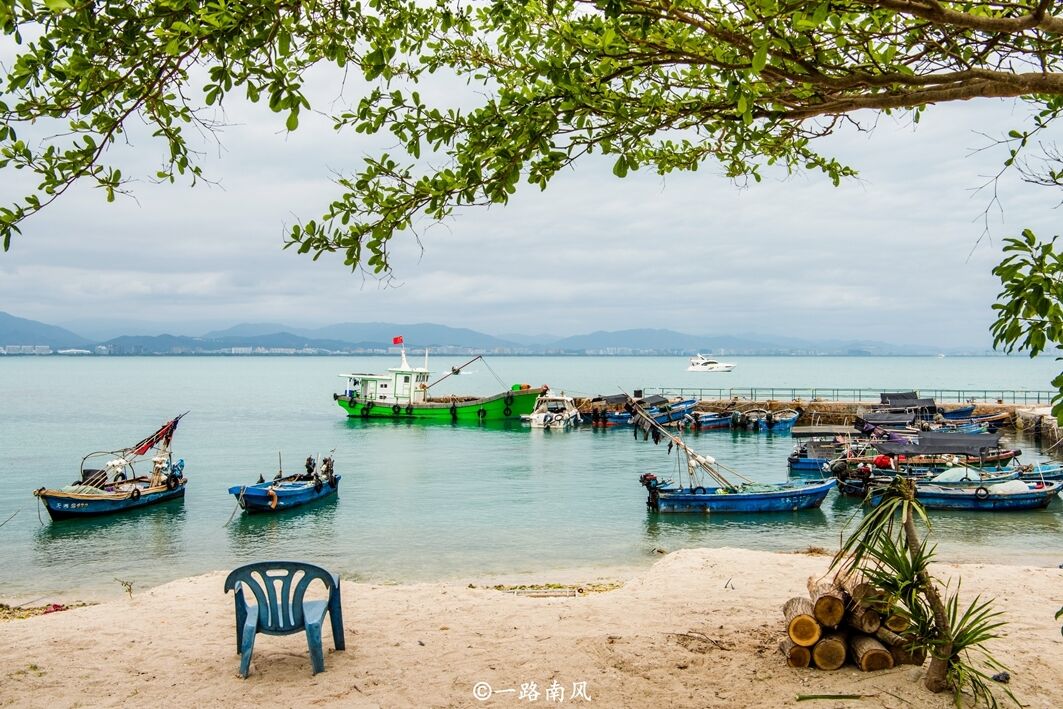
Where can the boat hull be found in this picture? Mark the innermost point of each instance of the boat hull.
(256, 498)
(806, 466)
(61, 505)
(500, 407)
(787, 498)
(983, 499)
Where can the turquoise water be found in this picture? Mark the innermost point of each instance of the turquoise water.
(419, 502)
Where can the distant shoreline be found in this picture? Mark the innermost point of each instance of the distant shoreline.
(473, 353)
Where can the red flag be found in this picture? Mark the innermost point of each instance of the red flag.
(396, 340)
(163, 435)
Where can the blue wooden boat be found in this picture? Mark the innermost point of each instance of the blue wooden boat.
(286, 492)
(720, 495)
(707, 420)
(1043, 472)
(1009, 496)
(662, 411)
(750, 497)
(762, 420)
(116, 487)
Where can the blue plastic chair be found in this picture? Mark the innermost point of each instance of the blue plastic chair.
(281, 608)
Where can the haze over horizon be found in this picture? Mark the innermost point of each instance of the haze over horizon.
(894, 256)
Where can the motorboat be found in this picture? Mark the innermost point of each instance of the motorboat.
(701, 363)
(553, 411)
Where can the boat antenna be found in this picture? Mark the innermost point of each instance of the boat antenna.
(280, 468)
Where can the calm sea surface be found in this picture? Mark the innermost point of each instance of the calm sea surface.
(423, 502)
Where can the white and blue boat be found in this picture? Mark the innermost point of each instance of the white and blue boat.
(116, 487)
(286, 492)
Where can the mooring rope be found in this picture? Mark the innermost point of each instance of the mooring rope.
(12, 516)
(239, 500)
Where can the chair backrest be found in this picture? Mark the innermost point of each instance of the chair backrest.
(280, 602)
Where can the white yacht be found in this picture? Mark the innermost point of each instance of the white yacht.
(553, 411)
(701, 363)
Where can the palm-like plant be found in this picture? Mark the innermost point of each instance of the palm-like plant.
(887, 549)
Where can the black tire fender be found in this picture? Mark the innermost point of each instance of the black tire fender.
(981, 492)
(396, 409)
(699, 490)
(135, 495)
(507, 411)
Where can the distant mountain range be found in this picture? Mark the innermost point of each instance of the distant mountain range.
(277, 338)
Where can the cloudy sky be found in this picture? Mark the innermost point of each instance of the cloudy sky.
(894, 255)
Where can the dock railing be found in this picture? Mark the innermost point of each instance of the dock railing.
(1029, 397)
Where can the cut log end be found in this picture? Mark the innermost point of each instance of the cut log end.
(897, 622)
(796, 655)
(865, 620)
(801, 624)
(828, 602)
(870, 654)
(829, 652)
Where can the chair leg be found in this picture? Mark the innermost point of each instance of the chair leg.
(247, 647)
(313, 643)
(335, 613)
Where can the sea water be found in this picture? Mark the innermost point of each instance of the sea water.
(423, 501)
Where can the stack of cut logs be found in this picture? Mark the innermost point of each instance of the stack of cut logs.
(846, 617)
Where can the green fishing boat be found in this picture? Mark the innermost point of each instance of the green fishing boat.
(404, 392)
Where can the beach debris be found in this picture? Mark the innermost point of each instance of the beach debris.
(556, 590)
(127, 586)
(809, 697)
(24, 611)
(1002, 677)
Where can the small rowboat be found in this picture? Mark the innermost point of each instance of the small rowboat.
(116, 487)
(285, 492)
(724, 495)
(751, 497)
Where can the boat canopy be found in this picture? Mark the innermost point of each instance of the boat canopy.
(888, 397)
(653, 400)
(611, 399)
(887, 418)
(821, 431)
(910, 404)
(930, 443)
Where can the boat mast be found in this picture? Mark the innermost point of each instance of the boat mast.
(453, 370)
(694, 461)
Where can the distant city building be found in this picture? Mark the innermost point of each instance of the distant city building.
(242, 350)
(26, 350)
(102, 350)
(74, 352)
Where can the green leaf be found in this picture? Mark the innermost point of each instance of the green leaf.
(760, 58)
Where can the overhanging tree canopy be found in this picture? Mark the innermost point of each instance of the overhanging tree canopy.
(658, 84)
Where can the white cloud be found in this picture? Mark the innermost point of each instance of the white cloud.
(887, 256)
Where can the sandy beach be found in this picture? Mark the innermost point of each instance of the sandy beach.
(698, 629)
